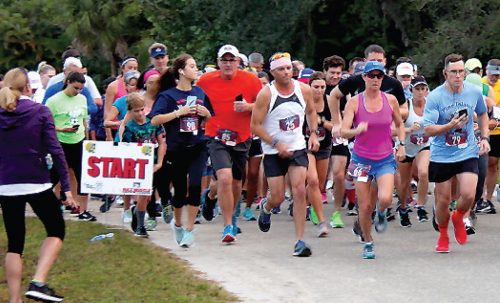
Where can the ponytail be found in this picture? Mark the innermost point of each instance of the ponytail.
(8, 98)
(168, 79)
(15, 81)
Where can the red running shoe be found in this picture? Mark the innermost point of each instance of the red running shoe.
(75, 211)
(443, 245)
(459, 228)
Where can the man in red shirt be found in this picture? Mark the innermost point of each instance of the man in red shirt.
(232, 93)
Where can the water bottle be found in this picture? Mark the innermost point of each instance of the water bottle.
(102, 237)
(48, 160)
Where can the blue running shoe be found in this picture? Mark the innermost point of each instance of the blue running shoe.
(187, 239)
(276, 210)
(236, 229)
(368, 252)
(178, 232)
(301, 249)
(227, 234)
(380, 221)
(264, 218)
(248, 214)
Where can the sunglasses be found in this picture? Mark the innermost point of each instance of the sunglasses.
(375, 75)
(277, 56)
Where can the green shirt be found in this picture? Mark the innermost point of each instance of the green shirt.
(68, 111)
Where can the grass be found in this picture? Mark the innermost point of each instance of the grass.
(123, 269)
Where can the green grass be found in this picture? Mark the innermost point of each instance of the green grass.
(123, 269)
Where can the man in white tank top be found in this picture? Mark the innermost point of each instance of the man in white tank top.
(277, 118)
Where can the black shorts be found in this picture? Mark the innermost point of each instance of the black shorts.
(410, 159)
(275, 166)
(340, 150)
(225, 156)
(322, 153)
(255, 148)
(441, 172)
(495, 146)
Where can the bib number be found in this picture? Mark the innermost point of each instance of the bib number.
(419, 139)
(457, 138)
(359, 171)
(289, 123)
(189, 125)
(227, 137)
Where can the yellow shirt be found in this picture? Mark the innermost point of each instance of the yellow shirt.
(496, 92)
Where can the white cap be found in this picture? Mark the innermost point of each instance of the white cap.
(228, 49)
(244, 59)
(72, 61)
(35, 80)
(404, 69)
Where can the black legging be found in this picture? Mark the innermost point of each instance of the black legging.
(183, 164)
(46, 207)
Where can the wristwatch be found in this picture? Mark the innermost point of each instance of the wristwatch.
(485, 138)
(274, 142)
(402, 143)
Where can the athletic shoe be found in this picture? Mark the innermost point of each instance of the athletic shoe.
(492, 210)
(329, 184)
(167, 213)
(248, 214)
(301, 249)
(42, 293)
(356, 230)
(308, 213)
(290, 209)
(336, 220)
(482, 207)
(324, 198)
(141, 232)
(127, 216)
(133, 224)
(351, 209)
(151, 224)
(434, 221)
(197, 219)
(264, 218)
(207, 207)
(459, 228)
(106, 205)
(368, 252)
(389, 215)
(227, 234)
(380, 221)
(75, 211)
(178, 232)
(443, 245)
(313, 216)
(322, 229)
(414, 188)
(86, 216)
(119, 201)
(276, 210)
(187, 239)
(468, 226)
(404, 218)
(422, 214)
(473, 218)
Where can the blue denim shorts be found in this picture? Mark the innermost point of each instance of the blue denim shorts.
(378, 168)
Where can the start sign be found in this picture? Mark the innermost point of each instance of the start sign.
(125, 169)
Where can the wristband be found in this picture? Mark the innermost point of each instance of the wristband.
(485, 138)
(401, 143)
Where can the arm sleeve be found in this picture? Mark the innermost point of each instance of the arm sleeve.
(55, 149)
(91, 106)
(90, 84)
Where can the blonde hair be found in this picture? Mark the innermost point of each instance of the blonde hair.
(15, 81)
(135, 100)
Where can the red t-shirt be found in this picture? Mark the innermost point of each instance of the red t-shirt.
(222, 94)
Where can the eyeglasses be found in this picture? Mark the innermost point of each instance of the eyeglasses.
(277, 56)
(227, 60)
(457, 72)
(375, 75)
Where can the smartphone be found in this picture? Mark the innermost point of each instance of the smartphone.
(76, 126)
(463, 112)
(191, 100)
(239, 98)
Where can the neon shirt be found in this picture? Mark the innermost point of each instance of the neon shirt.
(222, 94)
(441, 106)
(68, 111)
(496, 93)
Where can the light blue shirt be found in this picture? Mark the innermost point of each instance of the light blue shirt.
(440, 108)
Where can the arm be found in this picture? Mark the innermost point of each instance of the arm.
(484, 143)
(435, 129)
(110, 117)
(334, 105)
(399, 127)
(123, 124)
(311, 116)
(94, 92)
(91, 106)
(346, 131)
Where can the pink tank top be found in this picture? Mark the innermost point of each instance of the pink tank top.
(376, 142)
(120, 88)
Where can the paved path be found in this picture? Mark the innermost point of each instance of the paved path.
(260, 267)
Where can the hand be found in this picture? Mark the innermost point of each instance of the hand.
(202, 111)
(68, 129)
(401, 153)
(459, 121)
(484, 147)
(240, 106)
(156, 167)
(186, 110)
(362, 127)
(415, 126)
(313, 142)
(336, 130)
(283, 151)
(69, 200)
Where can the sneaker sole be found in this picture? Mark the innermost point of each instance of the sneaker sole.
(442, 251)
(228, 239)
(38, 296)
(305, 253)
(369, 257)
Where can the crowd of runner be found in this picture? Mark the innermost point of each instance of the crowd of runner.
(245, 136)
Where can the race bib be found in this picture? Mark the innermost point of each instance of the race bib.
(227, 136)
(359, 171)
(456, 138)
(189, 124)
(289, 123)
(336, 141)
(419, 139)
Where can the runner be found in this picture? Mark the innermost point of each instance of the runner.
(182, 109)
(24, 177)
(278, 118)
(158, 54)
(231, 93)
(372, 114)
(448, 117)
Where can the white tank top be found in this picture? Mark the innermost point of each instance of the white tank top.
(285, 119)
(415, 140)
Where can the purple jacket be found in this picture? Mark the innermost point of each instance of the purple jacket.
(27, 135)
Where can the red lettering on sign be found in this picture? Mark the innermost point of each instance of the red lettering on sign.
(142, 167)
(117, 167)
(129, 168)
(94, 169)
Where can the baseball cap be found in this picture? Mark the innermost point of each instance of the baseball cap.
(244, 59)
(256, 58)
(493, 69)
(373, 65)
(404, 69)
(72, 61)
(472, 64)
(359, 68)
(228, 48)
(35, 80)
(474, 79)
(133, 74)
(158, 51)
(418, 80)
(305, 75)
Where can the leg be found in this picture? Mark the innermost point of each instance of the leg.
(422, 162)
(365, 208)
(225, 193)
(491, 177)
(298, 179)
(385, 185)
(313, 188)
(338, 168)
(252, 179)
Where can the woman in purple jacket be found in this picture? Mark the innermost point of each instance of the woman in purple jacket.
(30, 147)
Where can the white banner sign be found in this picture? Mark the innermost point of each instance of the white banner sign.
(126, 169)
